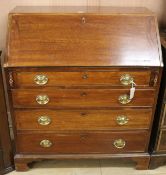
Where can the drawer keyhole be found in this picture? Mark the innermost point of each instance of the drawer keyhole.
(83, 136)
(83, 20)
(84, 76)
(83, 94)
(83, 114)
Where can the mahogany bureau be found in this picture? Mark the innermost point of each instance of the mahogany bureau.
(82, 82)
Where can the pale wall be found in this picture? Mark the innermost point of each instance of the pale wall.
(6, 5)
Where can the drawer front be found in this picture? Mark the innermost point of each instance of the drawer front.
(110, 142)
(83, 40)
(82, 119)
(162, 141)
(80, 98)
(113, 78)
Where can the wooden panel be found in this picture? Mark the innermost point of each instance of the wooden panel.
(26, 79)
(81, 97)
(82, 143)
(80, 10)
(158, 8)
(102, 40)
(82, 119)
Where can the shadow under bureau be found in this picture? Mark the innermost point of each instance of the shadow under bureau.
(82, 82)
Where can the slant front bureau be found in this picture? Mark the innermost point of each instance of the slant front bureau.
(82, 82)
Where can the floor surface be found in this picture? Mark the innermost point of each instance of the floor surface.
(88, 167)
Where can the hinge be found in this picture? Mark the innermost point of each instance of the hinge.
(11, 81)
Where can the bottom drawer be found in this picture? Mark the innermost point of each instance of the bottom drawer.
(68, 143)
(162, 141)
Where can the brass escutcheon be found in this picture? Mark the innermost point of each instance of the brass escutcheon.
(85, 76)
(83, 19)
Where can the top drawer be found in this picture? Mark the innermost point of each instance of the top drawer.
(83, 78)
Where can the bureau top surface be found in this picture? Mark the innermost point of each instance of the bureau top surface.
(82, 36)
(81, 9)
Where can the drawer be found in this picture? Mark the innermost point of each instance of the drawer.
(81, 98)
(100, 142)
(162, 141)
(113, 78)
(44, 119)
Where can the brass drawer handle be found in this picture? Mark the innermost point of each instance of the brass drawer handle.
(44, 120)
(122, 120)
(119, 143)
(42, 99)
(124, 99)
(126, 79)
(46, 143)
(41, 79)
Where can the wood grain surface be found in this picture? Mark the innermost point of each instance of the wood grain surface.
(83, 119)
(83, 52)
(157, 6)
(101, 39)
(81, 98)
(81, 78)
(82, 143)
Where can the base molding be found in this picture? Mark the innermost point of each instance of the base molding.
(7, 170)
(22, 161)
(156, 160)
